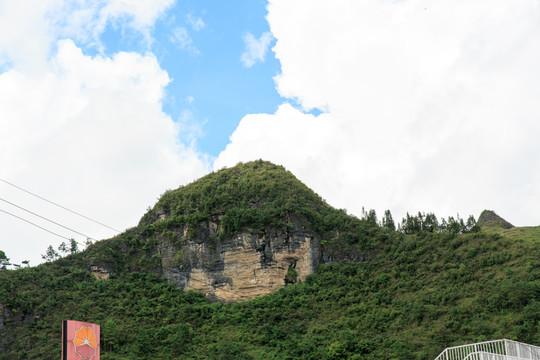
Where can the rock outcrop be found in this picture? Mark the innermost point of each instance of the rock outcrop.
(243, 266)
(489, 218)
(235, 234)
(100, 272)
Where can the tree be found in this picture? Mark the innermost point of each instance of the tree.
(388, 221)
(410, 224)
(371, 218)
(110, 334)
(455, 226)
(70, 249)
(62, 248)
(74, 248)
(4, 261)
(50, 254)
(471, 225)
(430, 223)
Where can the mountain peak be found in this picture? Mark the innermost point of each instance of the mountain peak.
(488, 218)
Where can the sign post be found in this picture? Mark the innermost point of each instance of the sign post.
(80, 340)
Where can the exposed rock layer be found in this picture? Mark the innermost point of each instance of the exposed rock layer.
(243, 266)
(489, 218)
(237, 234)
(100, 272)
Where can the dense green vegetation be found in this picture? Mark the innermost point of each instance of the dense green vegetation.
(255, 195)
(422, 293)
(423, 289)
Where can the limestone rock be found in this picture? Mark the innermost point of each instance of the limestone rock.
(100, 272)
(241, 267)
(489, 218)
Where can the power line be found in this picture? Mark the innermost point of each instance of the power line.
(60, 206)
(44, 218)
(42, 228)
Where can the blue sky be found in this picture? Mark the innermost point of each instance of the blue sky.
(209, 81)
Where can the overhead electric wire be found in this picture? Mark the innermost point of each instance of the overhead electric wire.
(36, 225)
(44, 218)
(60, 206)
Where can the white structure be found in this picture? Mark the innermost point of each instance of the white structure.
(492, 350)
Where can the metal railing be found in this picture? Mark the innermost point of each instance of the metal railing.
(492, 350)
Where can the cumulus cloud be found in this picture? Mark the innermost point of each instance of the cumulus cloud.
(28, 44)
(255, 48)
(86, 20)
(427, 105)
(88, 132)
(141, 14)
(34, 29)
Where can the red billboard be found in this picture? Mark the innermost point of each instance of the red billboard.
(80, 340)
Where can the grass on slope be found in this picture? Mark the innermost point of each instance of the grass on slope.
(256, 195)
(527, 233)
(420, 294)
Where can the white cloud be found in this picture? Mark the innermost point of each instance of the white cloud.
(86, 20)
(142, 14)
(29, 40)
(86, 132)
(255, 49)
(34, 29)
(190, 127)
(180, 36)
(429, 105)
(196, 22)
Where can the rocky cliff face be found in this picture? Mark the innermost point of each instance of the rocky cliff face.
(243, 266)
(488, 218)
(235, 267)
(236, 234)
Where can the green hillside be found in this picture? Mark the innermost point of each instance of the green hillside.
(431, 285)
(258, 196)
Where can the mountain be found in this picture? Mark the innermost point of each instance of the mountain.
(249, 263)
(488, 218)
(235, 234)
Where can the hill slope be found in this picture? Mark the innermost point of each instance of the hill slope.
(412, 295)
(236, 234)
